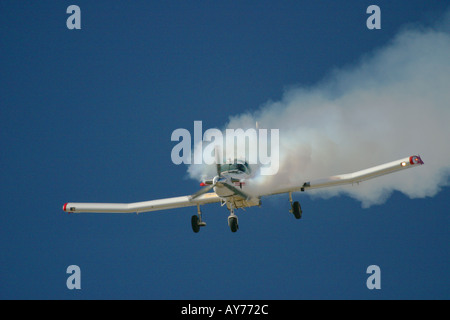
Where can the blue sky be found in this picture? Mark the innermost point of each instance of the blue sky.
(87, 115)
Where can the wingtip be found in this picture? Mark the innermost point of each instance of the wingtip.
(416, 160)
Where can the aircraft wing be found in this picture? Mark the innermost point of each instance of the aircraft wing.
(354, 177)
(189, 201)
(145, 206)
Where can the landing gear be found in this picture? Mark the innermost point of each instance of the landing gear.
(233, 223)
(296, 209)
(196, 221)
(233, 220)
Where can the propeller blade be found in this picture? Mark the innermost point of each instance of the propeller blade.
(218, 160)
(201, 191)
(219, 168)
(237, 191)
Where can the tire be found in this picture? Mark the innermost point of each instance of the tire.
(194, 223)
(234, 224)
(297, 210)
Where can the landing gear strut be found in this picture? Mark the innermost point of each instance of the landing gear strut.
(296, 209)
(196, 221)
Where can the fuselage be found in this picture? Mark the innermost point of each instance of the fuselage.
(236, 174)
(235, 178)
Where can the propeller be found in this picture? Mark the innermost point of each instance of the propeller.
(218, 161)
(220, 180)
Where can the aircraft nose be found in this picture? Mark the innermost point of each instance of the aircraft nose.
(64, 206)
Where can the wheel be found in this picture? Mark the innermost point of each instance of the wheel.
(233, 223)
(195, 224)
(297, 210)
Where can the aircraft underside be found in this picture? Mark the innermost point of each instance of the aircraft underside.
(236, 202)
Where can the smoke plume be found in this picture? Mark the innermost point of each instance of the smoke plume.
(393, 103)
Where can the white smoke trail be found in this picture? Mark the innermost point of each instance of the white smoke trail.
(394, 103)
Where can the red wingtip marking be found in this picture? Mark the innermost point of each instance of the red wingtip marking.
(420, 160)
(415, 160)
(64, 207)
(202, 184)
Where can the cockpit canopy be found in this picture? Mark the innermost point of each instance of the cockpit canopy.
(241, 166)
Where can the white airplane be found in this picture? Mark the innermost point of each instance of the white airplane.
(230, 186)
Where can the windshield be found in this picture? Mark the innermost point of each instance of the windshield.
(235, 167)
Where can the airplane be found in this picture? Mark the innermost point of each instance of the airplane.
(229, 188)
